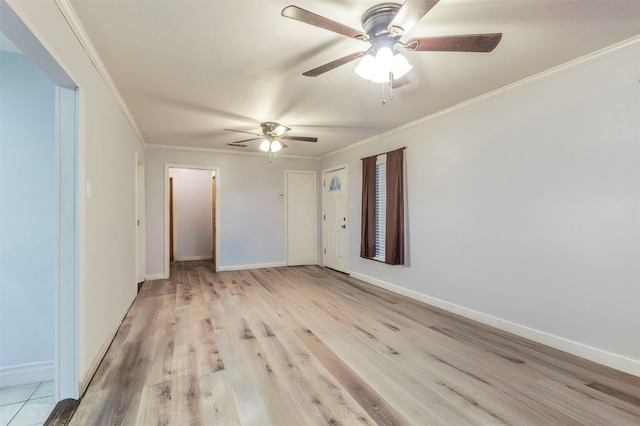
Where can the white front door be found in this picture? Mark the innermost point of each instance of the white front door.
(302, 228)
(335, 245)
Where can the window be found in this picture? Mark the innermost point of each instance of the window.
(382, 232)
(381, 206)
(335, 185)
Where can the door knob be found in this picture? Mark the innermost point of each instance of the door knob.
(344, 226)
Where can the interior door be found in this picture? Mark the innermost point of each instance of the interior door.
(335, 224)
(301, 215)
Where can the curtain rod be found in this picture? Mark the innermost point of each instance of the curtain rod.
(404, 147)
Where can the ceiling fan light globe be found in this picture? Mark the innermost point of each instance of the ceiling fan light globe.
(264, 145)
(276, 146)
(280, 130)
(366, 66)
(381, 76)
(400, 66)
(384, 59)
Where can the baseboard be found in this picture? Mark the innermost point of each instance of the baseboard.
(252, 266)
(599, 356)
(88, 375)
(188, 258)
(154, 277)
(24, 374)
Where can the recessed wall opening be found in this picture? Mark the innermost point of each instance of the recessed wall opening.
(191, 215)
(38, 253)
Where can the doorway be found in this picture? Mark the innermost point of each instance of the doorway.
(335, 252)
(191, 214)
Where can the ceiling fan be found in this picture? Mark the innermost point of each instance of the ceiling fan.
(272, 136)
(384, 24)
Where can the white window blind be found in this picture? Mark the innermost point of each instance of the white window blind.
(381, 206)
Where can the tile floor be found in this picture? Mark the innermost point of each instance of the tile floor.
(26, 405)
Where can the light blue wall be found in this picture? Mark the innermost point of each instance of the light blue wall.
(27, 212)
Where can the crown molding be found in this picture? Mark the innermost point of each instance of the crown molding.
(78, 29)
(224, 151)
(574, 63)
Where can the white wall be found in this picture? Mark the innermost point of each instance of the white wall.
(106, 158)
(191, 214)
(27, 218)
(524, 208)
(250, 214)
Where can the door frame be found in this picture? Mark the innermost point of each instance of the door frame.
(216, 169)
(70, 261)
(324, 205)
(314, 173)
(171, 221)
(140, 229)
(214, 208)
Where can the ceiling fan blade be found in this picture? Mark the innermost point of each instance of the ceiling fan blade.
(302, 15)
(248, 140)
(408, 15)
(333, 64)
(238, 145)
(242, 131)
(300, 138)
(459, 43)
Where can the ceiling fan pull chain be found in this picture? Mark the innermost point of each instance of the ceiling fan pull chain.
(384, 101)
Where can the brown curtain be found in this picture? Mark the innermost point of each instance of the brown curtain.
(368, 229)
(394, 244)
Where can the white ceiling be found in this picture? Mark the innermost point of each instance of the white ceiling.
(189, 69)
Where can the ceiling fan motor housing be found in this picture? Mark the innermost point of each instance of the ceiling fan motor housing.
(375, 22)
(272, 128)
(376, 19)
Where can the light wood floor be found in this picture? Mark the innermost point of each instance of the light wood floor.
(309, 346)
